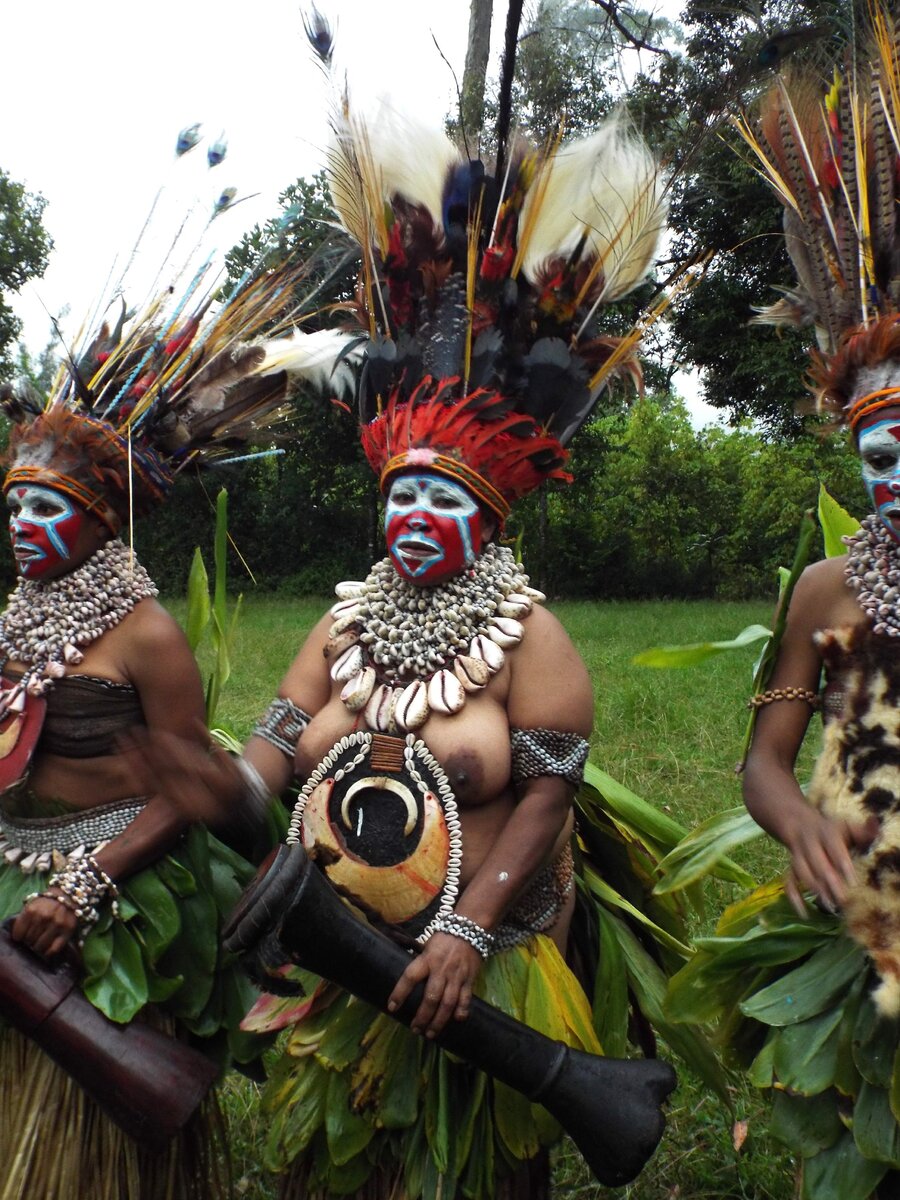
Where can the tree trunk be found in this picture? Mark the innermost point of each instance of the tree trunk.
(472, 97)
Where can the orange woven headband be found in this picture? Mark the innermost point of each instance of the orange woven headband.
(883, 398)
(453, 469)
(91, 501)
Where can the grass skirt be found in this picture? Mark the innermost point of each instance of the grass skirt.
(161, 957)
(56, 1144)
(357, 1105)
(794, 1002)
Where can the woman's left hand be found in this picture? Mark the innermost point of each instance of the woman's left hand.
(448, 967)
(45, 926)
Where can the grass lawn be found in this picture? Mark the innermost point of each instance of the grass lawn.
(671, 736)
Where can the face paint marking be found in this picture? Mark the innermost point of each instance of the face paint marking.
(44, 525)
(432, 526)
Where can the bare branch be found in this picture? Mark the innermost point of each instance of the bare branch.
(637, 41)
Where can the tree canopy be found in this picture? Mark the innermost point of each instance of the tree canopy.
(25, 247)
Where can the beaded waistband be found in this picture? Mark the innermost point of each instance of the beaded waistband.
(538, 909)
(29, 843)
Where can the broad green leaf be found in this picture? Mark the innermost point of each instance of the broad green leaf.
(836, 523)
(121, 991)
(809, 989)
(762, 947)
(154, 903)
(610, 1008)
(874, 1044)
(346, 1131)
(698, 652)
(806, 1054)
(704, 847)
(198, 610)
(807, 1124)
(637, 815)
(875, 1131)
(841, 1173)
(220, 603)
(761, 1072)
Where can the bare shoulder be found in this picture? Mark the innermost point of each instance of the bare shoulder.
(149, 625)
(307, 681)
(549, 683)
(821, 598)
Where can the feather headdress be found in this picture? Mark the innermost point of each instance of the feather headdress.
(186, 380)
(479, 348)
(831, 153)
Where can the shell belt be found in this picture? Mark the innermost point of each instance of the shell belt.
(30, 842)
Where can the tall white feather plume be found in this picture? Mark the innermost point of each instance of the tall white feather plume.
(609, 184)
(400, 155)
(320, 359)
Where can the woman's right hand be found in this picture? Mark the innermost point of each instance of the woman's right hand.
(202, 784)
(821, 860)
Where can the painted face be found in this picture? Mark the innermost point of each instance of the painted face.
(432, 526)
(43, 526)
(879, 452)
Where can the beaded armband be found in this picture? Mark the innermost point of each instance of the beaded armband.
(282, 724)
(548, 752)
(789, 693)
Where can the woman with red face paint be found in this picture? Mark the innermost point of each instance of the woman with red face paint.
(834, 923)
(437, 717)
(94, 864)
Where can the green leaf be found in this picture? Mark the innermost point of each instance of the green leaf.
(761, 1072)
(121, 991)
(874, 1044)
(836, 523)
(807, 1124)
(648, 983)
(875, 1131)
(610, 1007)
(762, 947)
(705, 847)
(153, 901)
(638, 816)
(841, 1173)
(806, 1054)
(198, 610)
(809, 989)
(609, 895)
(698, 652)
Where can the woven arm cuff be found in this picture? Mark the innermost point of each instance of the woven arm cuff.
(282, 724)
(548, 752)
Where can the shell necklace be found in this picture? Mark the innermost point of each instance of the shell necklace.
(406, 651)
(873, 571)
(45, 624)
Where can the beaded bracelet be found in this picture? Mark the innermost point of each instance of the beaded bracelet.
(83, 885)
(789, 693)
(468, 930)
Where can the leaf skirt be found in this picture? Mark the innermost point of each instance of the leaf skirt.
(356, 1101)
(793, 999)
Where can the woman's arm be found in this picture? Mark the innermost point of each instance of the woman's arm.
(819, 847)
(549, 689)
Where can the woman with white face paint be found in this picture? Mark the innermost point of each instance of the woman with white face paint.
(96, 867)
(830, 1052)
(437, 718)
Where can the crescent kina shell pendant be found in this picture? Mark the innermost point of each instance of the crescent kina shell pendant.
(380, 818)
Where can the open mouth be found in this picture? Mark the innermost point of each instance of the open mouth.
(24, 553)
(416, 554)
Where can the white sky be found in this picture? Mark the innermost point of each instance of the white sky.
(95, 93)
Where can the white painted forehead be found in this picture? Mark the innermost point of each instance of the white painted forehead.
(882, 433)
(32, 493)
(430, 481)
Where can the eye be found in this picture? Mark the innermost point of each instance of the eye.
(403, 496)
(880, 462)
(445, 500)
